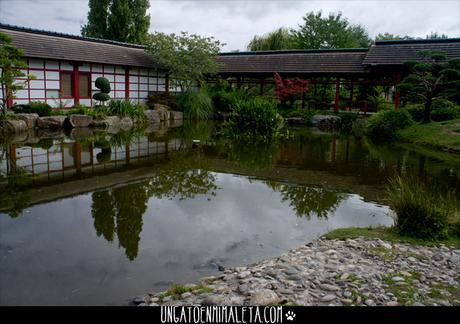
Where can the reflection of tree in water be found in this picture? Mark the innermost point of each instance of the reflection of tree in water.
(308, 201)
(120, 210)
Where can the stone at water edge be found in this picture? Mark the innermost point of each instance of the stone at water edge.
(29, 119)
(264, 297)
(51, 122)
(13, 126)
(126, 123)
(77, 121)
(176, 115)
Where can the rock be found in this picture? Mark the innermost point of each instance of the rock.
(397, 279)
(162, 110)
(344, 276)
(243, 274)
(329, 287)
(326, 122)
(30, 119)
(346, 302)
(51, 122)
(76, 121)
(153, 116)
(328, 298)
(264, 297)
(126, 123)
(295, 121)
(212, 300)
(13, 126)
(153, 304)
(176, 115)
(186, 295)
(139, 300)
(285, 291)
(392, 303)
(110, 121)
(347, 294)
(369, 302)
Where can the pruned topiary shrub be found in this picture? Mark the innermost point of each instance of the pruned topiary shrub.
(34, 107)
(384, 124)
(443, 109)
(422, 210)
(104, 86)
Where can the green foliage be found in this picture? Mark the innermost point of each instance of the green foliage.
(329, 32)
(125, 108)
(433, 77)
(443, 109)
(384, 124)
(188, 58)
(279, 39)
(347, 121)
(422, 210)
(34, 107)
(224, 100)
(119, 20)
(196, 105)
(415, 110)
(11, 62)
(104, 86)
(390, 37)
(253, 119)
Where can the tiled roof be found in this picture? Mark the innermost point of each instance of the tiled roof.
(41, 44)
(398, 52)
(320, 61)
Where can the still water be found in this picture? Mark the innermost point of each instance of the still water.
(96, 219)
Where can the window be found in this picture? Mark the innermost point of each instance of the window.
(85, 87)
(66, 85)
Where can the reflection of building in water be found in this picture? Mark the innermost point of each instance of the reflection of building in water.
(67, 158)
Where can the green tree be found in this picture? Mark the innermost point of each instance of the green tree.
(432, 77)
(278, 39)
(119, 20)
(11, 62)
(188, 58)
(318, 32)
(435, 35)
(389, 37)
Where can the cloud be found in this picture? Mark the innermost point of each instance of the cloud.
(235, 22)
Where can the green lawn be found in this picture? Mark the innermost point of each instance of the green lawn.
(441, 135)
(387, 234)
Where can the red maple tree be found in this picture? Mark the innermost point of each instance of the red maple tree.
(287, 88)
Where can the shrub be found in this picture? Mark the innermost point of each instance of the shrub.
(125, 108)
(443, 109)
(104, 86)
(34, 107)
(162, 98)
(422, 210)
(415, 110)
(384, 124)
(347, 119)
(196, 104)
(223, 100)
(256, 118)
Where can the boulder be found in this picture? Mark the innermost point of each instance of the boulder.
(264, 297)
(81, 133)
(13, 126)
(30, 119)
(76, 121)
(176, 115)
(326, 122)
(126, 123)
(295, 121)
(163, 111)
(51, 122)
(110, 121)
(153, 116)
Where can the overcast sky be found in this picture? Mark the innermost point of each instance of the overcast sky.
(235, 22)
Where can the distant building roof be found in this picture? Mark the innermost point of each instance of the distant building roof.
(294, 62)
(398, 52)
(48, 45)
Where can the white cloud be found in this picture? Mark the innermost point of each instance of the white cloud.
(235, 22)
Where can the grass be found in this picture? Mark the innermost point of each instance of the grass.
(440, 135)
(176, 290)
(387, 234)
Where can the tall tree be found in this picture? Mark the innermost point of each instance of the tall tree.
(432, 77)
(389, 37)
(278, 39)
(319, 32)
(119, 20)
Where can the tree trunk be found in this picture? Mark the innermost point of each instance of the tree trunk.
(427, 111)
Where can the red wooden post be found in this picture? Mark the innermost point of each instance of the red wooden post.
(167, 83)
(77, 156)
(76, 84)
(337, 94)
(396, 98)
(126, 83)
(238, 83)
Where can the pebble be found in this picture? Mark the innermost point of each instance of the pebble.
(320, 274)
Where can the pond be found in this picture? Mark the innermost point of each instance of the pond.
(95, 218)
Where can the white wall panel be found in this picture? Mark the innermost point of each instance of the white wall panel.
(52, 75)
(144, 87)
(52, 85)
(120, 86)
(22, 94)
(133, 94)
(36, 63)
(86, 102)
(66, 66)
(110, 77)
(133, 86)
(53, 65)
(84, 68)
(37, 84)
(37, 93)
(37, 74)
(97, 68)
(109, 69)
(120, 78)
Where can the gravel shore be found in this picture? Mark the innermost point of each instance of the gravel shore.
(364, 272)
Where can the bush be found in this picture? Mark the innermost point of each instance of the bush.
(125, 108)
(34, 107)
(104, 86)
(196, 104)
(384, 124)
(253, 119)
(415, 110)
(347, 120)
(162, 98)
(422, 211)
(223, 100)
(443, 109)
